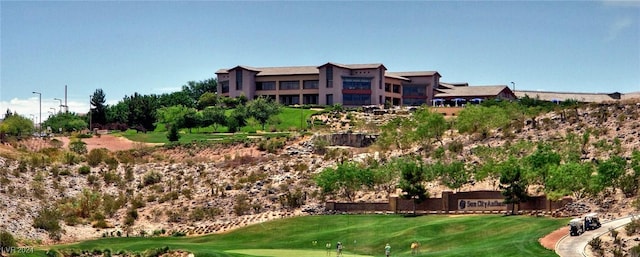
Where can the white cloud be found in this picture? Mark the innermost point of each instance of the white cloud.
(30, 107)
(168, 89)
(618, 27)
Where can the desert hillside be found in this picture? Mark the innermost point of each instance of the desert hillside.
(197, 188)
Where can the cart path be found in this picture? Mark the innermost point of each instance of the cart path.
(574, 246)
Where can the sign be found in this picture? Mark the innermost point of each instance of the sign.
(481, 205)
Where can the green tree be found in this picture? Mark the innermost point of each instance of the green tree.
(172, 134)
(610, 172)
(142, 110)
(453, 175)
(207, 99)
(196, 89)
(345, 180)
(512, 182)
(16, 126)
(386, 176)
(540, 162)
(480, 119)
(237, 119)
(118, 113)
(66, 121)
(411, 181)
(172, 115)
(176, 98)
(397, 132)
(262, 109)
(98, 108)
(569, 178)
(429, 126)
(214, 115)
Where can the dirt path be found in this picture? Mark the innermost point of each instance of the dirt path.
(549, 241)
(110, 142)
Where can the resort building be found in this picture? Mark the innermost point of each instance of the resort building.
(330, 83)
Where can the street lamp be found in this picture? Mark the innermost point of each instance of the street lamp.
(40, 99)
(60, 103)
(90, 96)
(54, 109)
(514, 86)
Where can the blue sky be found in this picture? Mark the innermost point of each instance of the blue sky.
(154, 47)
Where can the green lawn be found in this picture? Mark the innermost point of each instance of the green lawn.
(289, 119)
(364, 235)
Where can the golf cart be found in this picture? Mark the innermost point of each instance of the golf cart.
(575, 227)
(591, 221)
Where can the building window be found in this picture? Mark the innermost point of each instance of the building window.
(310, 84)
(414, 101)
(329, 99)
(356, 99)
(414, 90)
(355, 83)
(310, 99)
(387, 87)
(289, 85)
(329, 73)
(396, 88)
(289, 99)
(380, 100)
(225, 86)
(266, 85)
(239, 80)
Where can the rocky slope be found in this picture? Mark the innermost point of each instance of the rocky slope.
(199, 189)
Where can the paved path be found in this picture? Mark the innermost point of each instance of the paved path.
(574, 246)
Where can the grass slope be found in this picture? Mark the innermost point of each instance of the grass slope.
(476, 235)
(289, 119)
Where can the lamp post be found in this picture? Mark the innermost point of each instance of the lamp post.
(90, 96)
(60, 103)
(40, 106)
(513, 84)
(54, 110)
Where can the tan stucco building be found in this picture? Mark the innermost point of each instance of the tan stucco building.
(330, 83)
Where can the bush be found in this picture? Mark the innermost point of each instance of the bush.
(632, 227)
(96, 156)
(152, 178)
(49, 220)
(6, 240)
(241, 205)
(173, 135)
(71, 158)
(596, 244)
(78, 147)
(84, 170)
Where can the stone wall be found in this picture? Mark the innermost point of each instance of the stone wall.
(349, 139)
(461, 202)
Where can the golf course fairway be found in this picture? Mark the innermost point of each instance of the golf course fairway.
(361, 235)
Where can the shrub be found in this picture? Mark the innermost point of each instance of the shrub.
(78, 147)
(132, 216)
(48, 219)
(197, 214)
(178, 234)
(6, 240)
(84, 170)
(632, 227)
(71, 158)
(596, 243)
(96, 156)
(152, 178)
(241, 205)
